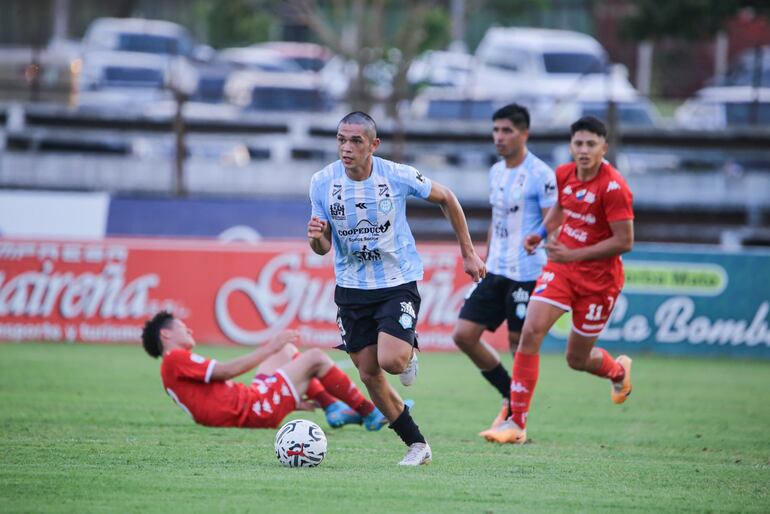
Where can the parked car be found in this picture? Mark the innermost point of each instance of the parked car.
(258, 58)
(544, 66)
(309, 56)
(264, 91)
(750, 68)
(720, 107)
(126, 59)
(441, 69)
(452, 105)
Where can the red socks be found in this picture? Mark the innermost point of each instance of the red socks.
(609, 367)
(315, 391)
(339, 384)
(525, 371)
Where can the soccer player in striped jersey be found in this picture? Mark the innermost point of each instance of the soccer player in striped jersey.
(359, 208)
(591, 225)
(521, 190)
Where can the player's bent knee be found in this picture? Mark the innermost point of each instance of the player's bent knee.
(463, 341)
(393, 366)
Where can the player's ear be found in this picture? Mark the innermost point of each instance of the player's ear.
(375, 144)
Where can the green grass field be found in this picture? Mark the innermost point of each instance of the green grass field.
(89, 429)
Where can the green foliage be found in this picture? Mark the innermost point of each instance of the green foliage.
(237, 22)
(88, 428)
(690, 19)
(437, 28)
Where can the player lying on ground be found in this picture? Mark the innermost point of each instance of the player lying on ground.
(203, 388)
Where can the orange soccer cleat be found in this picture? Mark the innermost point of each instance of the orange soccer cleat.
(507, 432)
(501, 416)
(622, 389)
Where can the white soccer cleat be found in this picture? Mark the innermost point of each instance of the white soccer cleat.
(410, 373)
(418, 454)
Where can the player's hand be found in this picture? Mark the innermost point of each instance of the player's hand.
(558, 252)
(282, 339)
(531, 242)
(474, 267)
(315, 228)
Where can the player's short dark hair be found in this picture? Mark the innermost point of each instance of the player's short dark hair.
(151, 333)
(589, 124)
(517, 114)
(361, 118)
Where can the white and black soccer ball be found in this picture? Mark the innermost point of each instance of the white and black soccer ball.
(300, 444)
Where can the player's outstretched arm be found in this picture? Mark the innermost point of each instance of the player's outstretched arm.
(453, 211)
(319, 235)
(240, 365)
(622, 241)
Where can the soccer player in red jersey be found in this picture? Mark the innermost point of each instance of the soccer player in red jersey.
(584, 274)
(203, 388)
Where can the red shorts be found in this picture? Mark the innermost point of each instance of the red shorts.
(273, 397)
(590, 309)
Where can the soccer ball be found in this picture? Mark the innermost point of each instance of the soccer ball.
(300, 444)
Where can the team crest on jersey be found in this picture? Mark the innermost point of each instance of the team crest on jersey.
(581, 194)
(382, 190)
(385, 205)
(590, 197)
(337, 211)
(336, 190)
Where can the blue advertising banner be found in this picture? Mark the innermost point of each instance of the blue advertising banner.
(226, 218)
(683, 301)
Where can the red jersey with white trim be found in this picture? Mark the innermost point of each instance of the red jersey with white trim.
(187, 379)
(589, 207)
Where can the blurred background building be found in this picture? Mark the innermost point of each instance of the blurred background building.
(208, 117)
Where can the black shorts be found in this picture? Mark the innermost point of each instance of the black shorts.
(497, 298)
(363, 313)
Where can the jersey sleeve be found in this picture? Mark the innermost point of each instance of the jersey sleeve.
(546, 195)
(618, 201)
(317, 198)
(412, 182)
(191, 366)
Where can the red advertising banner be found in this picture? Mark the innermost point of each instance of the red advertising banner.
(103, 291)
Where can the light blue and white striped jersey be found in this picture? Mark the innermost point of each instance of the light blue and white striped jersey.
(517, 196)
(373, 244)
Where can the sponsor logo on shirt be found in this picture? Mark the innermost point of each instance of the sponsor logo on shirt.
(574, 233)
(419, 176)
(550, 188)
(501, 230)
(567, 190)
(612, 186)
(361, 205)
(367, 255)
(337, 211)
(588, 218)
(365, 227)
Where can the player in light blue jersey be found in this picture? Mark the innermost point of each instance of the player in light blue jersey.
(359, 208)
(521, 190)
